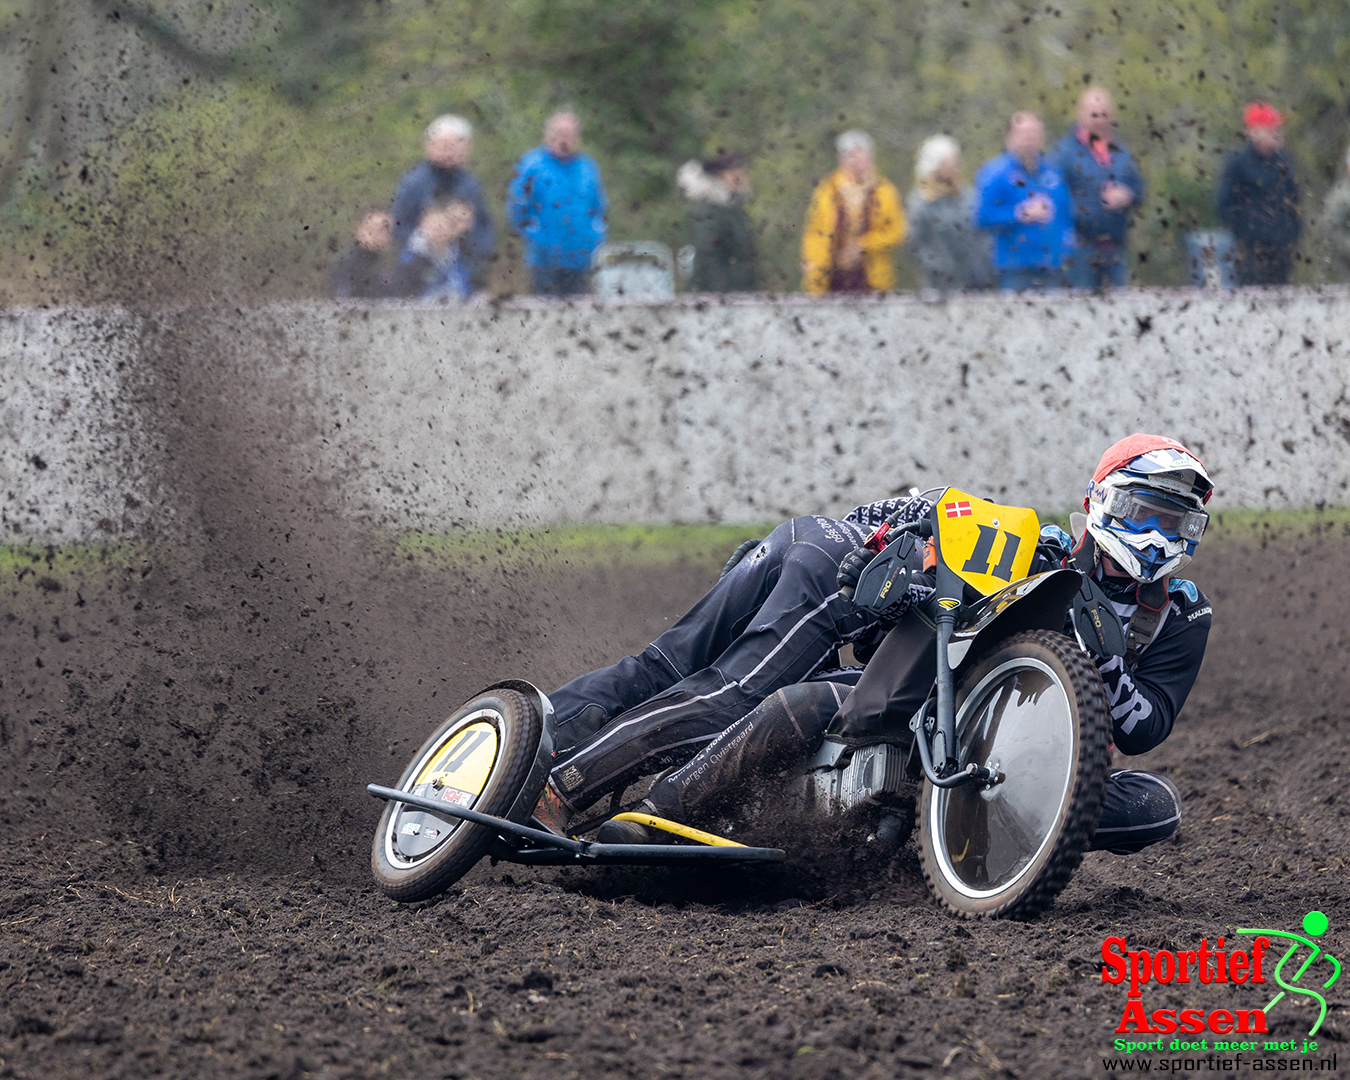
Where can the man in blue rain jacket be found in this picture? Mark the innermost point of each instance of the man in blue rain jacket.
(1024, 202)
(556, 202)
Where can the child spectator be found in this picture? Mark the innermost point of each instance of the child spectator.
(431, 267)
(365, 270)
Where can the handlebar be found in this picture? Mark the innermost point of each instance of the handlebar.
(879, 538)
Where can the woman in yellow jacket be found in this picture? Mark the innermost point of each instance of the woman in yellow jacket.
(854, 224)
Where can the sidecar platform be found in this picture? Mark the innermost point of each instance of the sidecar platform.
(539, 847)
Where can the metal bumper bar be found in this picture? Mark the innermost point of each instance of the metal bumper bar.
(550, 849)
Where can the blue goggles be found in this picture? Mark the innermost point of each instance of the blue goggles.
(1143, 511)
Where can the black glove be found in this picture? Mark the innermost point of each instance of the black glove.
(736, 556)
(851, 568)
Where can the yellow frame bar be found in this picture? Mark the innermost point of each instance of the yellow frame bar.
(676, 829)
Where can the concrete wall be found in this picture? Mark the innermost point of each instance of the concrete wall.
(74, 464)
(527, 412)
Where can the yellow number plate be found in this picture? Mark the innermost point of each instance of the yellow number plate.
(462, 765)
(987, 545)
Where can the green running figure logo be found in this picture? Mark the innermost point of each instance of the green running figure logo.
(1315, 924)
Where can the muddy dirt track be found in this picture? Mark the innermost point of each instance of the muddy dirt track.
(185, 888)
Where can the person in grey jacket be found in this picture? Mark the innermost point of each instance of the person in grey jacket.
(1335, 226)
(951, 251)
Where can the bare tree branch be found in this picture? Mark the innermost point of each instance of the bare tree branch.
(38, 63)
(161, 33)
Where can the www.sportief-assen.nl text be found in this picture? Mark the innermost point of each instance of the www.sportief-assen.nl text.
(1217, 1063)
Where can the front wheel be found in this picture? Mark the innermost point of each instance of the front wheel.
(1033, 709)
(481, 758)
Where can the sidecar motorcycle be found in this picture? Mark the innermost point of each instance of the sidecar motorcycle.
(1010, 748)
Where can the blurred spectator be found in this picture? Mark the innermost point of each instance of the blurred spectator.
(366, 270)
(556, 202)
(1336, 225)
(446, 147)
(719, 227)
(1258, 200)
(1105, 188)
(853, 225)
(951, 251)
(431, 266)
(1022, 199)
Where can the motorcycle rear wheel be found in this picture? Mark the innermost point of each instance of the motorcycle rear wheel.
(1033, 708)
(481, 758)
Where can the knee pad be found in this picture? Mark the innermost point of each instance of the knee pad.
(579, 728)
(1161, 800)
(809, 706)
(1141, 808)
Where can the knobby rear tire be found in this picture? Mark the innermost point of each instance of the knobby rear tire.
(1073, 776)
(519, 727)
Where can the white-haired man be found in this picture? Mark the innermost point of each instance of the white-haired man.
(556, 201)
(441, 176)
(853, 226)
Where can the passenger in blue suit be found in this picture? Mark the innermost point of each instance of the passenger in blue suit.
(556, 202)
(1022, 199)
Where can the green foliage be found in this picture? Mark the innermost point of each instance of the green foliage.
(51, 569)
(576, 545)
(584, 544)
(253, 177)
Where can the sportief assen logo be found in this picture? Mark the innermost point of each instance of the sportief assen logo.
(1222, 964)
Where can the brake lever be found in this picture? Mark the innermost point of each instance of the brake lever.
(877, 541)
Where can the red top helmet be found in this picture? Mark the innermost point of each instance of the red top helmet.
(1145, 505)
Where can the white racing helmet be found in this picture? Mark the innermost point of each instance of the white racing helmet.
(1145, 505)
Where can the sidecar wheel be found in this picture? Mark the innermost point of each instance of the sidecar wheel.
(1034, 708)
(481, 758)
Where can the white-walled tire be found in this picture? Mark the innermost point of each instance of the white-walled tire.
(1033, 708)
(481, 757)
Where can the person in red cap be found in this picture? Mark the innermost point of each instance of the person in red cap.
(1145, 517)
(1258, 200)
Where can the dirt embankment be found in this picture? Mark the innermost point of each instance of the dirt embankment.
(185, 891)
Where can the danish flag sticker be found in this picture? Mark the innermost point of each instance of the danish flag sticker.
(957, 509)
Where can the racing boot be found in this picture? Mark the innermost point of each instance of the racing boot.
(553, 811)
(630, 832)
(624, 832)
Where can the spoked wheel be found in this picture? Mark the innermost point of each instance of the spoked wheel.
(1035, 710)
(482, 757)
